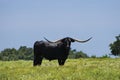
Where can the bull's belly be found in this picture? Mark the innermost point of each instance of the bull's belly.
(54, 56)
(51, 57)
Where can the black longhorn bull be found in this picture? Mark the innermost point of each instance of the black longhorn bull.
(53, 50)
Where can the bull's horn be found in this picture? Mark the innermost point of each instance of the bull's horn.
(48, 40)
(82, 41)
(52, 41)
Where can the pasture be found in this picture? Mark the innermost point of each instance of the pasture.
(74, 69)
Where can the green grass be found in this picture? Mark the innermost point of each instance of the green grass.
(74, 69)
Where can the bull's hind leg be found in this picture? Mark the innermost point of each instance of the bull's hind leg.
(37, 60)
(37, 53)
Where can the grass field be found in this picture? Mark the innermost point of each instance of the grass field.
(74, 69)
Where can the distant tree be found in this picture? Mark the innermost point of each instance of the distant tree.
(80, 54)
(72, 54)
(93, 56)
(77, 54)
(105, 56)
(8, 54)
(23, 53)
(115, 46)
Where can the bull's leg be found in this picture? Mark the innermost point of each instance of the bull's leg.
(61, 61)
(37, 60)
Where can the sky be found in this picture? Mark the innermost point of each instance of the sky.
(22, 22)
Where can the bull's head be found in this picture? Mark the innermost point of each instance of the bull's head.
(67, 41)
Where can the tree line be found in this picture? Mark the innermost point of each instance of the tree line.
(26, 53)
(23, 53)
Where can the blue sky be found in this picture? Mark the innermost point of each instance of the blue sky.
(22, 22)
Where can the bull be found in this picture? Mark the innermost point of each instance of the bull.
(53, 50)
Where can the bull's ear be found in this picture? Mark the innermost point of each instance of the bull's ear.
(72, 40)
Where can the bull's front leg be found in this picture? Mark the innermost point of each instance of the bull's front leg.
(61, 61)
